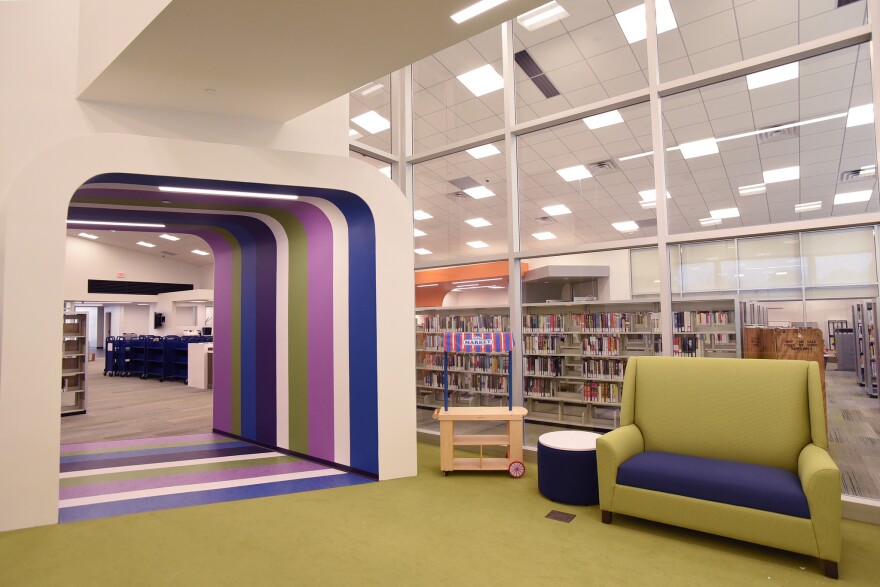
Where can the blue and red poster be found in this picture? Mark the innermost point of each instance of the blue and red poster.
(478, 342)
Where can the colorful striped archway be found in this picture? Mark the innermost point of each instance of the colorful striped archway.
(295, 306)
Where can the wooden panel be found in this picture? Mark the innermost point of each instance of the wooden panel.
(471, 464)
(482, 413)
(480, 440)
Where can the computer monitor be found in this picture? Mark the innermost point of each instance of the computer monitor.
(207, 331)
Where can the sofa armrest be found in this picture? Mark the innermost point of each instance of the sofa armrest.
(820, 480)
(612, 449)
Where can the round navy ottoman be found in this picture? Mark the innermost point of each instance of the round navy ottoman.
(567, 467)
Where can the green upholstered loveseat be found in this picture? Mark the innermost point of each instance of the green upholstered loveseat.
(734, 447)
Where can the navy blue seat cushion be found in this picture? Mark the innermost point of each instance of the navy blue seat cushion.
(742, 484)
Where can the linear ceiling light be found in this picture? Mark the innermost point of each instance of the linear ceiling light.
(103, 223)
(353, 134)
(370, 88)
(603, 120)
(482, 80)
(372, 122)
(483, 151)
(478, 222)
(574, 173)
(169, 237)
(475, 9)
(624, 227)
(198, 252)
(868, 170)
(542, 16)
(699, 148)
(428, 285)
(634, 23)
(852, 197)
(724, 213)
(648, 204)
(651, 195)
(752, 190)
(784, 174)
(479, 192)
(417, 233)
(146, 244)
(206, 192)
(477, 244)
(477, 280)
(860, 115)
(776, 75)
(386, 171)
(423, 252)
(807, 207)
(637, 155)
(544, 236)
(709, 221)
(87, 235)
(556, 210)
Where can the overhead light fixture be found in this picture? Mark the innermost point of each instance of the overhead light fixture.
(544, 236)
(146, 244)
(478, 222)
(479, 192)
(709, 221)
(198, 252)
(724, 213)
(776, 75)
(477, 280)
(624, 227)
(868, 170)
(143, 304)
(372, 122)
(169, 237)
(482, 80)
(353, 134)
(651, 195)
(635, 25)
(88, 236)
(752, 190)
(808, 207)
(370, 88)
(574, 173)
(198, 301)
(860, 115)
(207, 192)
(477, 244)
(103, 223)
(556, 210)
(421, 215)
(483, 151)
(783, 174)
(542, 16)
(699, 148)
(648, 204)
(386, 171)
(852, 197)
(423, 252)
(782, 273)
(418, 233)
(603, 120)
(637, 155)
(475, 9)
(428, 285)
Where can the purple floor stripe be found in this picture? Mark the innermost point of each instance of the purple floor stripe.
(206, 437)
(163, 458)
(122, 486)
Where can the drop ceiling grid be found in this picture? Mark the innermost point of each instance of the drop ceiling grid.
(379, 101)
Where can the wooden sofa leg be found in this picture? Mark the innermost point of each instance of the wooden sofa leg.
(828, 567)
(606, 519)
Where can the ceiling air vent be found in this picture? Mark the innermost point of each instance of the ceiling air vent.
(168, 253)
(647, 223)
(464, 183)
(603, 167)
(544, 220)
(457, 196)
(772, 135)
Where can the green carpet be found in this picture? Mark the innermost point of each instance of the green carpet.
(466, 529)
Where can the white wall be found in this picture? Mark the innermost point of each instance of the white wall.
(135, 319)
(616, 287)
(479, 297)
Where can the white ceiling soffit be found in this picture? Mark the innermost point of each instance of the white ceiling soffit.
(277, 59)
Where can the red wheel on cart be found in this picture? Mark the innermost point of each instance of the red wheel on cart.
(516, 469)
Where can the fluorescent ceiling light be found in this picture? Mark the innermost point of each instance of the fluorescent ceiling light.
(544, 236)
(372, 122)
(777, 75)
(169, 237)
(784, 174)
(421, 215)
(710, 221)
(860, 115)
(102, 223)
(352, 133)
(483, 151)
(542, 16)
(651, 195)
(482, 80)
(852, 197)
(477, 280)
(370, 88)
(478, 222)
(143, 304)
(423, 252)
(479, 192)
(556, 210)
(198, 301)
(574, 173)
(87, 235)
(477, 244)
(198, 252)
(868, 170)
(699, 148)
(417, 232)
(807, 207)
(782, 273)
(648, 204)
(637, 155)
(475, 9)
(386, 171)
(634, 23)
(146, 244)
(724, 213)
(627, 226)
(496, 287)
(428, 285)
(603, 120)
(752, 190)
(205, 192)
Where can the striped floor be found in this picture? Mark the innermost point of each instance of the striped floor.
(100, 479)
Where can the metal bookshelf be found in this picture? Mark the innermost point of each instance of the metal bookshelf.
(865, 332)
(74, 348)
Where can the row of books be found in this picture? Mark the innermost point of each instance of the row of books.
(601, 345)
(454, 323)
(468, 362)
(548, 366)
(593, 391)
(543, 343)
(688, 321)
(616, 321)
(466, 381)
(604, 368)
(543, 323)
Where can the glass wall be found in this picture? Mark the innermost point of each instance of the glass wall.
(381, 166)
(369, 109)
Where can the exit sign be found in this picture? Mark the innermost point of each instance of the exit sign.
(120, 274)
